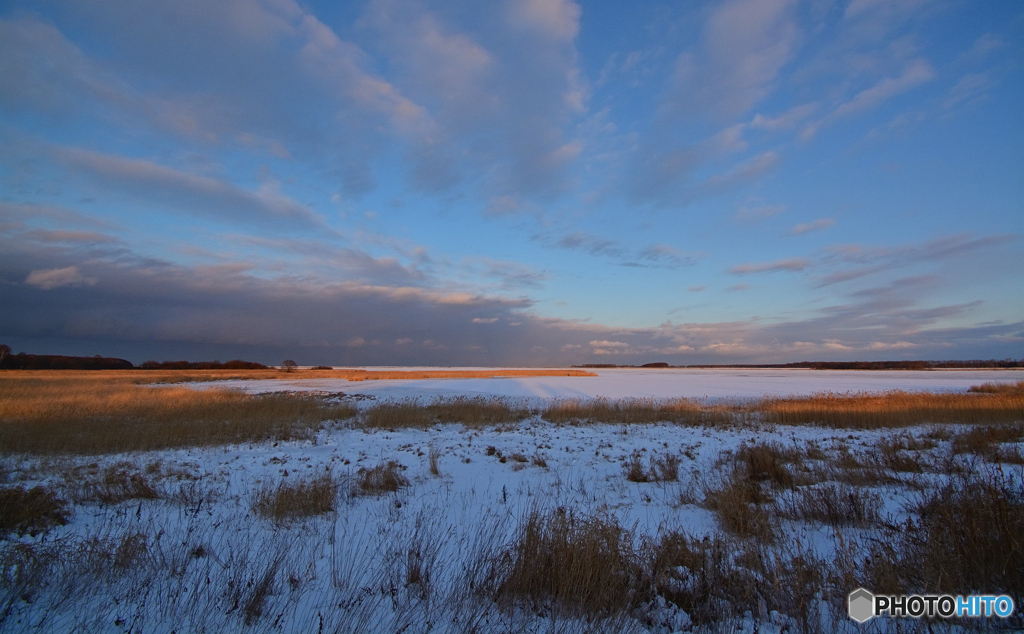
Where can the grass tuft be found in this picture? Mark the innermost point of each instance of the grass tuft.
(297, 498)
(31, 511)
(386, 477)
(585, 565)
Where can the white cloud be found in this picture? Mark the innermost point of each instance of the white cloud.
(48, 279)
(792, 265)
(814, 225)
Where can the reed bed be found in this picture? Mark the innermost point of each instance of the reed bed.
(471, 411)
(894, 409)
(85, 415)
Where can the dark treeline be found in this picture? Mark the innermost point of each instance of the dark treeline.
(23, 361)
(236, 364)
(839, 365)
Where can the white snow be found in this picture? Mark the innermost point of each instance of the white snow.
(662, 383)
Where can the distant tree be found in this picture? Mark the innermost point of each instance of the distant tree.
(289, 365)
(4, 351)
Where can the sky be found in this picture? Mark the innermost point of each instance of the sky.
(517, 182)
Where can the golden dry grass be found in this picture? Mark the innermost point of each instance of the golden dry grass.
(87, 413)
(894, 409)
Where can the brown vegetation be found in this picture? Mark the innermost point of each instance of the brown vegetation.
(74, 413)
(297, 497)
(384, 478)
(581, 564)
(894, 409)
(467, 410)
(31, 510)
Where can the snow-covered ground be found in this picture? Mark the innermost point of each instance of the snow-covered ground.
(208, 562)
(662, 383)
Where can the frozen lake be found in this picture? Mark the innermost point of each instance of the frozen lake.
(662, 383)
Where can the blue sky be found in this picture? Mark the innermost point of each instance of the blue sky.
(530, 182)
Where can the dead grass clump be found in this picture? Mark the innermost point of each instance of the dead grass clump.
(968, 537)
(766, 462)
(661, 468)
(716, 578)
(986, 441)
(835, 505)
(118, 484)
(88, 415)
(31, 511)
(297, 498)
(434, 458)
(894, 409)
(633, 411)
(585, 565)
(386, 477)
(468, 410)
(738, 502)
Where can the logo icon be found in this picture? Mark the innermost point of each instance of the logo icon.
(861, 605)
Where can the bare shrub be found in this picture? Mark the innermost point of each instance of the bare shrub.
(539, 460)
(31, 511)
(298, 497)
(386, 477)
(585, 565)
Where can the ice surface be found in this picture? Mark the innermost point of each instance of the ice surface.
(664, 383)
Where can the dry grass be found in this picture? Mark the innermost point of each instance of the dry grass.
(661, 468)
(434, 458)
(637, 411)
(967, 537)
(987, 442)
(998, 388)
(468, 410)
(835, 505)
(386, 477)
(894, 409)
(118, 484)
(30, 511)
(88, 413)
(298, 497)
(584, 565)
(716, 578)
